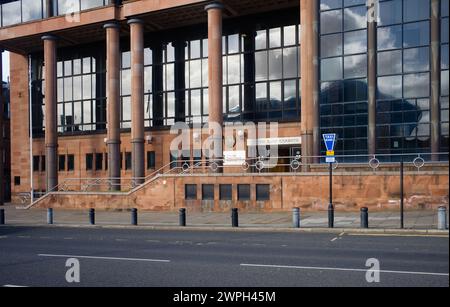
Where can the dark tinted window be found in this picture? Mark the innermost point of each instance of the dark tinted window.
(226, 191)
(243, 192)
(42, 163)
(62, 162)
(151, 160)
(35, 163)
(128, 160)
(190, 192)
(262, 192)
(70, 162)
(89, 162)
(208, 192)
(98, 161)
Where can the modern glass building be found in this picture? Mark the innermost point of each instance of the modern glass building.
(122, 72)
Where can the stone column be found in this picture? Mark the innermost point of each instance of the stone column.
(435, 78)
(215, 77)
(113, 101)
(51, 132)
(137, 99)
(310, 129)
(2, 139)
(372, 75)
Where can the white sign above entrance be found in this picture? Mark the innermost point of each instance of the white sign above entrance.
(275, 141)
(234, 158)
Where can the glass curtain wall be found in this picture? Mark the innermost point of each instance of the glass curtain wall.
(444, 77)
(81, 102)
(343, 74)
(403, 97)
(18, 11)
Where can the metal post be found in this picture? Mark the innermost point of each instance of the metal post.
(182, 217)
(364, 217)
(2, 216)
(134, 217)
(50, 216)
(296, 217)
(235, 217)
(442, 218)
(402, 203)
(92, 216)
(330, 206)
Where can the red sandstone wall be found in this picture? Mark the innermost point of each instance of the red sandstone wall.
(20, 149)
(309, 192)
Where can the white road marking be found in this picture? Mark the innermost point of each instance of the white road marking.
(153, 241)
(103, 258)
(14, 286)
(396, 235)
(3, 237)
(339, 269)
(332, 240)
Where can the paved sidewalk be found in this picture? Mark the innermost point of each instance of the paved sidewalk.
(377, 220)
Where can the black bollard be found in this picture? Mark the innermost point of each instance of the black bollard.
(2, 216)
(364, 217)
(235, 217)
(92, 216)
(134, 217)
(182, 217)
(50, 216)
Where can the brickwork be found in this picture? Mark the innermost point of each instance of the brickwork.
(307, 191)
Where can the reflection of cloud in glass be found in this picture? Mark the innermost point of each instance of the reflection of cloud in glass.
(355, 42)
(126, 82)
(68, 6)
(355, 66)
(416, 85)
(390, 38)
(390, 62)
(290, 62)
(331, 21)
(31, 10)
(234, 66)
(390, 87)
(11, 13)
(355, 18)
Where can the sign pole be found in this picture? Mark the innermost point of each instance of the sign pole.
(330, 205)
(330, 141)
(402, 197)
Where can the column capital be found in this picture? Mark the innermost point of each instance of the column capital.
(214, 5)
(135, 20)
(112, 24)
(49, 37)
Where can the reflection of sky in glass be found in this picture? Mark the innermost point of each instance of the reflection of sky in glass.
(355, 42)
(416, 59)
(331, 22)
(331, 45)
(88, 4)
(31, 10)
(68, 6)
(390, 62)
(416, 85)
(355, 18)
(11, 13)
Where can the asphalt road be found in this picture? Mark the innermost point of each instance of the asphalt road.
(126, 257)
